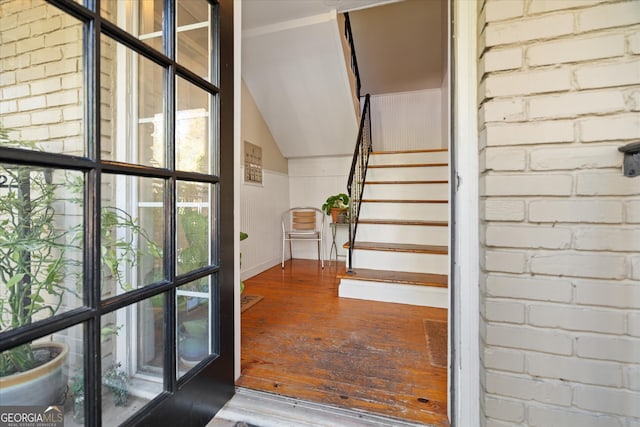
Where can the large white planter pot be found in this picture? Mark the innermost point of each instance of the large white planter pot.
(43, 385)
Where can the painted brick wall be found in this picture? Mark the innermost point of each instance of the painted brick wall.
(560, 232)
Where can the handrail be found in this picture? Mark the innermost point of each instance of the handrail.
(357, 175)
(354, 62)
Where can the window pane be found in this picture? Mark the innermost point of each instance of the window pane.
(41, 80)
(192, 128)
(194, 226)
(194, 47)
(132, 220)
(132, 342)
(62, 385)
(194, 324)
(41, 232)
(142, 18)
(132, 122)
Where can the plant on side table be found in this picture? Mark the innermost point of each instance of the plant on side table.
(337, 206)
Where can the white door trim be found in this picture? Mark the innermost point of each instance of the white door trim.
(464, 375)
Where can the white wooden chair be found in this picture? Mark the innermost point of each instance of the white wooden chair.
(306, 224)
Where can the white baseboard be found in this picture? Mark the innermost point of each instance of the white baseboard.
(250, 272)
(426, 296)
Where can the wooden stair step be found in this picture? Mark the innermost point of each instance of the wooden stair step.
(443, 181)
(408, 165)
(404, 222)
(400, 247)
(432, 150)
(401, 201)
(397, 277)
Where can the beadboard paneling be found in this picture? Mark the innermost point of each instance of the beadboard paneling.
(311, 181)
(407, 121)
(260, 211)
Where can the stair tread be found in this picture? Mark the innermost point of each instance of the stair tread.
(439, 181)
(431, 150)
(404, 222)
(409, 165)
(399, 247)
(397, 277)
(402, 201)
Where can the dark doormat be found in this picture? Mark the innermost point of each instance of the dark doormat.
(436, 334)
(248, 301)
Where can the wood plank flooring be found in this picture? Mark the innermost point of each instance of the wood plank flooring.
(303, 341)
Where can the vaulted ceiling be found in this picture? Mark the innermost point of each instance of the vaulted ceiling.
(294, 66)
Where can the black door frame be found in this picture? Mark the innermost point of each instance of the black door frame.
(198, 395)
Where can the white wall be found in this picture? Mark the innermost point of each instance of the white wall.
(407, 121)
(261, 208)
(311, 181)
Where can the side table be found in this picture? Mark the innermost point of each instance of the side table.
(334, 229)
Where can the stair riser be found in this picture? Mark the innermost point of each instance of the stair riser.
(414, 234)
(415, 211)
(409, 158)
(422, 173)
(425, 296)
(407, 191)
(402, 261)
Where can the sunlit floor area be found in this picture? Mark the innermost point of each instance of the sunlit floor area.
(301, 340)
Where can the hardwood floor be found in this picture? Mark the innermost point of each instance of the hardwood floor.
(302, 341)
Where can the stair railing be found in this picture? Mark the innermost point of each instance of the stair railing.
(357, 175)
(354, 62)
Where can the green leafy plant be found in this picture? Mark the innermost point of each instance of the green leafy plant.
(33, 259)
(117, 382)
(40, 258)
(243, 236)
(340, 201)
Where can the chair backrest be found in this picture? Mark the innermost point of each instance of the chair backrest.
(303, 220)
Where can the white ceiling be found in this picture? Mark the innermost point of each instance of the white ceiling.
(293, 64)
(259, 13)
(297, 75)
(399, 46)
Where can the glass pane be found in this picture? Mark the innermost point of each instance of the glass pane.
(41, 232)
(132, 219)
(194, 324)
(192, 128)
(41, 84)
(132, 358)
(194, 47)
(142, 18)
(60, 386)
(194, 51)
(194, 226)
(132, 132)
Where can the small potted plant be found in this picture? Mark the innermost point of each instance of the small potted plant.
(117, 381)
(336, 206)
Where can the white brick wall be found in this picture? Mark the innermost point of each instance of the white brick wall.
(40, 71)
(559, 93)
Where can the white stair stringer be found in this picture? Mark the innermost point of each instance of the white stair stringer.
(426, 296)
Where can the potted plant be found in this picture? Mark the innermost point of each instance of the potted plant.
(35, 276)
(336, 206)
(40, 271)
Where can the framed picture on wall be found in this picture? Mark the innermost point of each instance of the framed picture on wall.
(252, 163)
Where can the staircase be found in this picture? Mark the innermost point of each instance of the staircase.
(401, 249)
